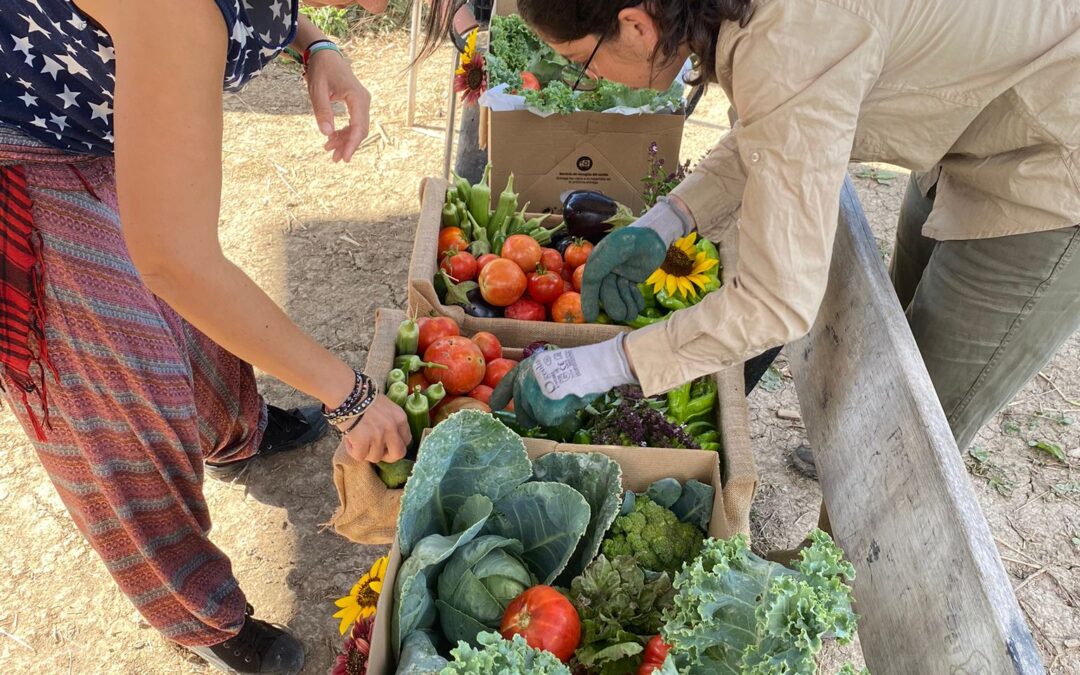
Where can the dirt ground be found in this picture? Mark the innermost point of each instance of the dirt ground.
(331, 244)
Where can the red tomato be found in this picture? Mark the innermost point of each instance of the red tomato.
(418, 380)
(489, 345)
(523, 250)
(567, 273)
(461, 266)
(579, 277)
(497, 370)
(529, 81)
(483, 260)
(567, 309)
(545, 287)
(463, 360)
(458, 403)
(433, 328)
(551, 260)
(502, 282)
(655, 653)
(546, 619)
(481, 393)
(452, 237)
(577, 253)
(526, 310)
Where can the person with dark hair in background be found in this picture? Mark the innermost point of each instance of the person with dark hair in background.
(125, 334)
(981, 100)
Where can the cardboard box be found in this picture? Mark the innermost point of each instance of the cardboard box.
(607, 152)
(368, 509)
(640, 468)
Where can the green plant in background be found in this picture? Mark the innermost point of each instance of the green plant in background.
(659, 182)
(349, 21)
(334, 21)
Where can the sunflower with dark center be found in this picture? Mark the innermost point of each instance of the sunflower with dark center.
(683, 270)
(470, 79)
(353, 660)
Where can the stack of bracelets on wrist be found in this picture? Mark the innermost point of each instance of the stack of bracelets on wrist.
(313, 48)
(353, 409)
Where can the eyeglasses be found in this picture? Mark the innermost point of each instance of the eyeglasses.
(585, 67)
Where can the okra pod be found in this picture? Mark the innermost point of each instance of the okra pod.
(497, 243)
(411, 363)
(435, 393)
(408, 337)
(418, 412)
(398, 392)
(396, 375)
(450, 216)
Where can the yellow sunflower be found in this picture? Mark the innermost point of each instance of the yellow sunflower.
(683, 270)
(361, 600)
(469, 53)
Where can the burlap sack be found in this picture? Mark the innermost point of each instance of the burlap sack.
(368, 510)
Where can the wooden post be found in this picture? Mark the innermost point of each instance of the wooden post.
(451, 114)
(414, 42)
(930, 588)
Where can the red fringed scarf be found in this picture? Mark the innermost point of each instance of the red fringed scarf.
(22, 289)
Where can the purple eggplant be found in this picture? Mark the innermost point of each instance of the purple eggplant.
(536, 347)
(466, 294)
(590, 215)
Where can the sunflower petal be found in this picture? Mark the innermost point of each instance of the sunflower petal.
(347, 601)
(656, 277)
(672, 284)
(376, 586)
(378, 568)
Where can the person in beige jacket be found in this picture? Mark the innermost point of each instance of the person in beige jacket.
(981, 100)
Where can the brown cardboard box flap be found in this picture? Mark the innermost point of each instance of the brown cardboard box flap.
(608, 152)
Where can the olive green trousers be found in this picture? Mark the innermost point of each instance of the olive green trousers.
(987, 314)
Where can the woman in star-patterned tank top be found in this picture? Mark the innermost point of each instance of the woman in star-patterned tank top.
(125, 334)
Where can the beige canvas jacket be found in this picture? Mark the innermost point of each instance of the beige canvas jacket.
(982, 95)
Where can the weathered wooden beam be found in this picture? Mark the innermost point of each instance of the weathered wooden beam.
(931, 591)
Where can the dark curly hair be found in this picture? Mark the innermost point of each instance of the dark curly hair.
(695, 23)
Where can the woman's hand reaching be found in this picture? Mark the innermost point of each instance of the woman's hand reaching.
(330, 79)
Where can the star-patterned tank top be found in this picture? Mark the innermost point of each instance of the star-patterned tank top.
(59, 67)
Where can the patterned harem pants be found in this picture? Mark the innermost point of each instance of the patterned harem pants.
(135, 399)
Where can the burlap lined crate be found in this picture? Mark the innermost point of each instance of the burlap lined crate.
(368, 509)
(424, 301)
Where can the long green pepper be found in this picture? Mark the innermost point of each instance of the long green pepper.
(504, 210)
(480, 200)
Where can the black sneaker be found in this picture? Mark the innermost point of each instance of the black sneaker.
(285, 430)
(259, 647)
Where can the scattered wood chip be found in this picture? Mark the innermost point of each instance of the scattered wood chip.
(790, 415)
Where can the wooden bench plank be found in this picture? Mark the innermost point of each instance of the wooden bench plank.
(931, 590)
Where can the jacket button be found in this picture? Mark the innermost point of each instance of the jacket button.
(755, 157)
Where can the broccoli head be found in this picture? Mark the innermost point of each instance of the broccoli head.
(654, 536)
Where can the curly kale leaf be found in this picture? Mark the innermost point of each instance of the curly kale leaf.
(497, 656)
(737, 613)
